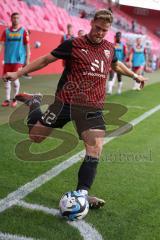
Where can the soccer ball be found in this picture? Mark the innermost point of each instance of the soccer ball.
(74, 205)
(37, 44)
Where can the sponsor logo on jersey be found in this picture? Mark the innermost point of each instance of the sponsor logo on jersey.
(97, 64)
(15, 34)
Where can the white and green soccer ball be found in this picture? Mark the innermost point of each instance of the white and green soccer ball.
(74, 205)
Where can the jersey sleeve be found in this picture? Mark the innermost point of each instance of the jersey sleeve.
(3, 37)
(26, 37)
(63, 51)
(115, 59)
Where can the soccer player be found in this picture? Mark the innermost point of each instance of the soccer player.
(69, 34)
(81, 33)
(16, 53)
(137, 60)
(120, 50)
(79, 96)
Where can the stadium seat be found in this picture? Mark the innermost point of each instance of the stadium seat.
(5, 17)
(46, 16)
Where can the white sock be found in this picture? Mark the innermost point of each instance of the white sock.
(120, 87)
(136, 85)
(114, 78)
(110, 85)
(8, 90)
(16, 85)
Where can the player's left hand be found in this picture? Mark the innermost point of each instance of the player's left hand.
(141, 79)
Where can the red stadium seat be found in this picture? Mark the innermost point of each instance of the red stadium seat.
(50, 18)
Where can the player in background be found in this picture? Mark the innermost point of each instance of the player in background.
(137, 60)
(80, 94)
(81, 33)
(27, 76)
(69, 34)
(120, 50)
(16, 53)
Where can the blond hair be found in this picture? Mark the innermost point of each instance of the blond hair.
(104, 14)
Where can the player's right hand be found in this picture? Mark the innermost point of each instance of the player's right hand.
(10, 76)
(141, 79)
(141, 84)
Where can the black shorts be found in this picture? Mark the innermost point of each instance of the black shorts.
(58, 114)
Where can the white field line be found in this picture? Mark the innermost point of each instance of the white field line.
(136, 107)
(7, 236)
(29, 187)
(86, 230)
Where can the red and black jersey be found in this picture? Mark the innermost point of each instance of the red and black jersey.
(83, 81)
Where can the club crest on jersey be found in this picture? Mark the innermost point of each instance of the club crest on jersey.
(107, 53)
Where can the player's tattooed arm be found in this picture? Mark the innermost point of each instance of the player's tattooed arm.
(119, 67)
(32, 67)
